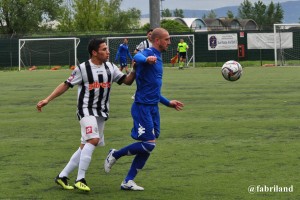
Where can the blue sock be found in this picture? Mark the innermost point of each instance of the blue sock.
(135, 148)
(141, 150)
(137, 164)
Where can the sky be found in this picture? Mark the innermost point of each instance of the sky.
(143, 5)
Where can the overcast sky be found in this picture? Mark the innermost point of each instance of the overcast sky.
(143, 5)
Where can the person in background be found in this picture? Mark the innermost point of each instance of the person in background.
(146, 43)
(182, 50)
(122, 53)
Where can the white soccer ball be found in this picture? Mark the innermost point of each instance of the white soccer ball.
(232, 70)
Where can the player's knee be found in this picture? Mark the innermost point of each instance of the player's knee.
(94, 141)
(148, 146)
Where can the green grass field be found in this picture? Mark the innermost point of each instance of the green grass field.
(231, 135)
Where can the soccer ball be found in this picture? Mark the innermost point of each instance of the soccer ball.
(232, 70)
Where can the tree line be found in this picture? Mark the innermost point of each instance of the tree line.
(264, 15)
(31, 16)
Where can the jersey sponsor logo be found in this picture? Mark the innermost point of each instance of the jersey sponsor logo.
(99, 85)
(89, 129)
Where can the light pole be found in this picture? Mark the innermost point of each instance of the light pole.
(154, 6)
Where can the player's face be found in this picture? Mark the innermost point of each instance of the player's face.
(164, 41)
(102, 54)
(149, 35)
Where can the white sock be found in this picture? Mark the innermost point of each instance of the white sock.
(72, 164)
(85, 160)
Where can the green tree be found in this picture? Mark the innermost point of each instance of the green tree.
(279, 14)
(66, 21)
(115, 19)
(270, 15)
(25, 16)
(166, 13)
(230, 14)
(170, 25)
(211, 15)
(264, 16)
(87, 14)
(178, 13)
(245, 10)
(174, 26)
(93, 15)
(260, 14)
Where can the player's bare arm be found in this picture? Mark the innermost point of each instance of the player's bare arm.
(62, 88)
(129, 79)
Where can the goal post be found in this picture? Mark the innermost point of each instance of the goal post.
(133, 41)
(287, 44)
(48, 52)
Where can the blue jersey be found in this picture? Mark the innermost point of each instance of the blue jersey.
(149, 78)
(123, 52)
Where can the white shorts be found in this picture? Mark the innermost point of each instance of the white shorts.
(92, 127)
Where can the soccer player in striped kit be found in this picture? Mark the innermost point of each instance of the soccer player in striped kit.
(94, 79)
(145, 111)
(146, 43)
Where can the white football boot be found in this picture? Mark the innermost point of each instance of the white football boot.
(109, 161)
(131, 185)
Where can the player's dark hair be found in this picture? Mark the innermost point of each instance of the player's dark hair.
(94, 45)
(150, 30)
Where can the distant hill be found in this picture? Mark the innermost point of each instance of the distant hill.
(291, 12)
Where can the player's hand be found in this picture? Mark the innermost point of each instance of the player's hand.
(41, 104)
(151, 60)
(133, 64)
(177, 105)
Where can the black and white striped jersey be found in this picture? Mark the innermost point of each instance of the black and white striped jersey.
(94, 85)
(144, 45)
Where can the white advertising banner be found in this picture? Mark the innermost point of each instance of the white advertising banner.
(266, 40)
(222, 41)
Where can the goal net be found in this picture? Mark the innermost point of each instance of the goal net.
(287, 44)
(133, 41)
(48, 52)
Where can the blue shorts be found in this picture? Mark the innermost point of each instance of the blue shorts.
(146, 122)
(123, 62)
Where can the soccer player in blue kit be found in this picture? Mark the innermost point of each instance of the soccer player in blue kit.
(145, 111)
(123, 52)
